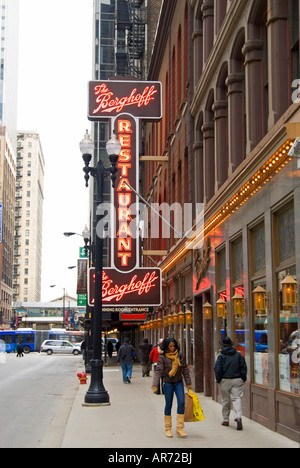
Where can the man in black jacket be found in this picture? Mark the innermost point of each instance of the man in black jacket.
(231, 375)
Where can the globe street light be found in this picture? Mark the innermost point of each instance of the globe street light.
(96, 394)
(64, 301)
(89, 252)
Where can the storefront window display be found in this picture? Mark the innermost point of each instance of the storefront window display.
(261, 347)
(238, 319)
(238, 304)
(289, 352)
(222, 299)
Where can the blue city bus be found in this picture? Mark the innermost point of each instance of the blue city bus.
(31, 340)
(13, 337)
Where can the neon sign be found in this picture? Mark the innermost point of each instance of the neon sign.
(125, 255)
(125, 103)
(142, 287)
(110, 98)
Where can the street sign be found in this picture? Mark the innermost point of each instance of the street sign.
(81, 300)
(82, 252)
(142, 287)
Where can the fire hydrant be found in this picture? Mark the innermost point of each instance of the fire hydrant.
(82, 377)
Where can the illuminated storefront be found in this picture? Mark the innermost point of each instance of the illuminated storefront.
(227, 135)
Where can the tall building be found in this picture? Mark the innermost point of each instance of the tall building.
(28, 218)
(123, 38)
(9, 20)
(9, 65)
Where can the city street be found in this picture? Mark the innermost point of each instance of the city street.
(41, 407)
(31, 390)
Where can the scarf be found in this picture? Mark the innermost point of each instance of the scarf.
(175, 364)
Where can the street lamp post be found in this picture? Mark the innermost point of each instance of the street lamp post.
(88, 313)
(96, 394)
(64, 302)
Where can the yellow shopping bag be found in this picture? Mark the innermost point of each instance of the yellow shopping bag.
(197, 409)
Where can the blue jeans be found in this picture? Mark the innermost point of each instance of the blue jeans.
(169, 390)
(127, 370)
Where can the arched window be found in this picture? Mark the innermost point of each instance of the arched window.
(209, 149)
(198, 44)
(237, 104)
(256, 65)
(173, 87)
(179, 71)
(221, 127)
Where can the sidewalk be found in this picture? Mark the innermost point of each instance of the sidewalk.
(135, 420)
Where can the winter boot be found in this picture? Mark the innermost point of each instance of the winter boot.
(168, 426)
(180, 426)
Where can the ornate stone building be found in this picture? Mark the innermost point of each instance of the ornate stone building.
(230, 74)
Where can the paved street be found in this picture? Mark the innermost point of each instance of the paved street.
(31, 389)
(41, 407)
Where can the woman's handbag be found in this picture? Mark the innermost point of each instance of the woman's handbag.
(193, 411)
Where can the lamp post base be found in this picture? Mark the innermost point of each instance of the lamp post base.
(96, 394)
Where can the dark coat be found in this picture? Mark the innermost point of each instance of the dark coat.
(164, 366)
(230, 364)
(146, 349)
(126, 354)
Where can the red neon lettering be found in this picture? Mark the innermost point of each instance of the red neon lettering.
(123, 185)
(106, 102)
(124, 169)
(125, 156)
(124, 233)
(124, 230)
(117, 292)
(124, 199)
(124, 214)
(124, 258)
(124, 126)
(124, 244)
(125, 141)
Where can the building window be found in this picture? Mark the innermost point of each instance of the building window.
(221, 294)
(289, 344)
(257, 265)
(237, 287)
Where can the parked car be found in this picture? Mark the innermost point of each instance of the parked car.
(59, 346)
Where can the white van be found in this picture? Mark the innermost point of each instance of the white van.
(59, 346)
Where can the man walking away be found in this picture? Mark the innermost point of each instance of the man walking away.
(125, 357)
(146, 362)
(231, 375)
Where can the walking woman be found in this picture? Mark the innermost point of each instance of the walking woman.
(172, 367)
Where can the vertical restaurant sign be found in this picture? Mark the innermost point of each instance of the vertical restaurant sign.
(126, 103)
(125, 252)
(141, 99)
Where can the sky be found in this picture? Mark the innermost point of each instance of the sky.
(55, 65)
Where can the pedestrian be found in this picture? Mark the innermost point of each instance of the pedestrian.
(110, 348)
(145, 347)
(154, 355)
(231, 375)
(19, 349)
(172, 367)
(83, 349)
(125, 357)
